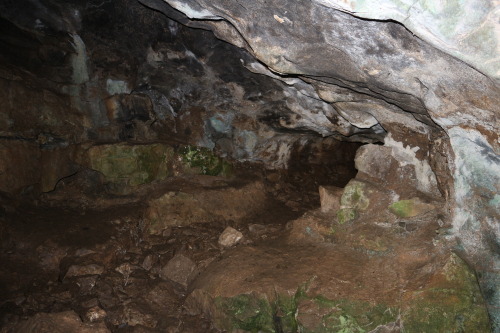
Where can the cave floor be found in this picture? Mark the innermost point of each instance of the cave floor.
(101, 258)
(75, 251)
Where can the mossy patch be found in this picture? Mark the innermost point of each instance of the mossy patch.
(452, 302)
(354, 200)
(346, 214)
(410, 208)
(355, 195)
(204, 161)
(449, 302)
(351, 316)
(125, 166)
(253, 313)
(131, 165)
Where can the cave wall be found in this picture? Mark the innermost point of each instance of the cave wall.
(75, 75)
(390, 74)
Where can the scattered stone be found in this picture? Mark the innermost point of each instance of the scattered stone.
(410, 208)
(396, 166)
(330, 198)
(230, 237)
(375, 161)
(257, 229)
(162, 295)
(86, 284)
(125, 269)
(148, 262)
(62, 322)
(180, 270)
(95, 314)
(262, 230)
(77, 270)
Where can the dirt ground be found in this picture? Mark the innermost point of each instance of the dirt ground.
(117, 265)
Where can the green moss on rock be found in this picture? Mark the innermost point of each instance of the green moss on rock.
(131, 165)
(451, 302)
(247, 312)
(410, 208)
(204, 161)
(355, 195)
(354, 200)
(351, 316)
(346, 214)
(255, 313)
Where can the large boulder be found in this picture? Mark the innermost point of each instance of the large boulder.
(397, 167)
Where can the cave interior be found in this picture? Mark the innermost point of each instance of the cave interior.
(204, 166)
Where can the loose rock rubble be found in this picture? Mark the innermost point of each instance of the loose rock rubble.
(106, 265)
(230, 237)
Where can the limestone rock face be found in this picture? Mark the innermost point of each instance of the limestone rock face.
(28, 163)
(396, 168)
(411, 88)
(466, 30)
(14, 177)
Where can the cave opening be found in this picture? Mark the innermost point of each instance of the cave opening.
(180, 166)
